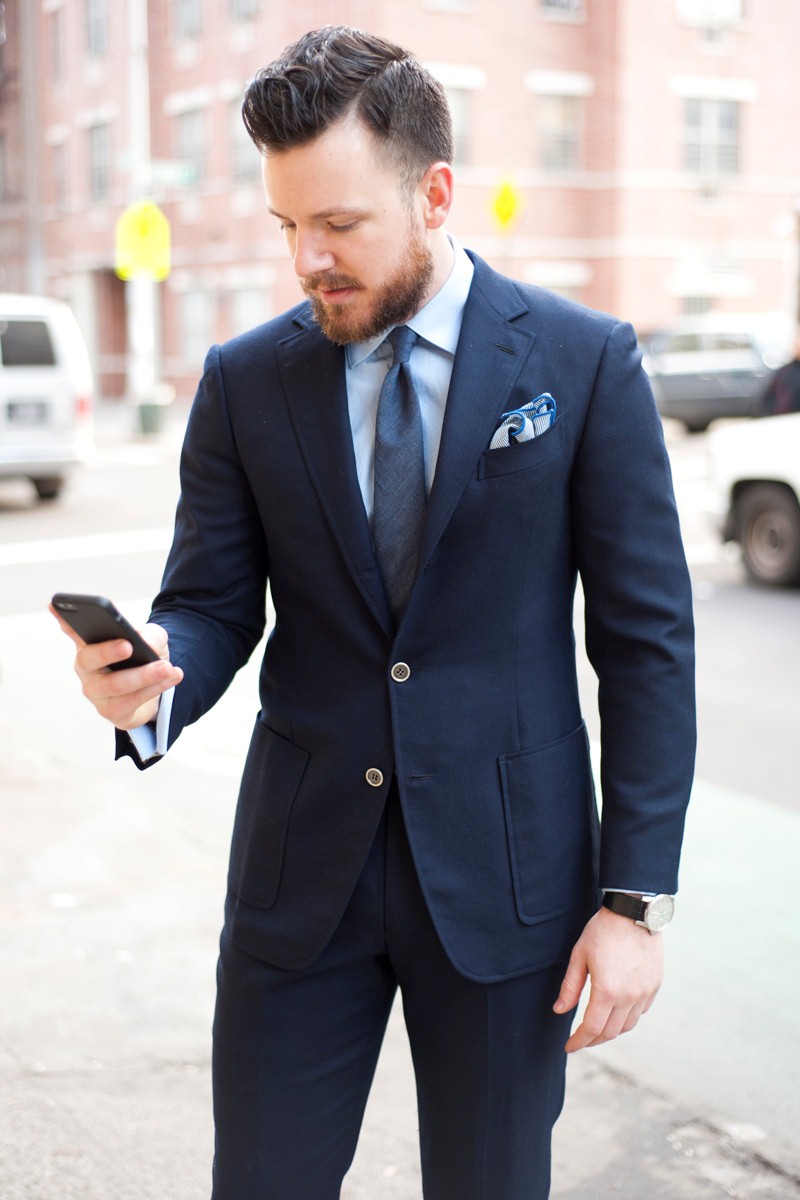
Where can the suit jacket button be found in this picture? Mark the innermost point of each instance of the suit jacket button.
(374, 777)
(400, 672)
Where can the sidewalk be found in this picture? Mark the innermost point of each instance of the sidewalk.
(111, 886)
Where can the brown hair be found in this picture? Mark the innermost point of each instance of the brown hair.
(336, 70)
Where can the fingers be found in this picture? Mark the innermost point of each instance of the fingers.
(625, 964)
(604, 1021)
(574, 982)
(127, 698)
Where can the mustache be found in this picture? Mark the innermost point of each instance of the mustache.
(330, 282)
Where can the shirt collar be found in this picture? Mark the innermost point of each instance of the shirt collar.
(439, 321)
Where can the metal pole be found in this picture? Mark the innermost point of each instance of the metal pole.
(140, 293)
(30, 94)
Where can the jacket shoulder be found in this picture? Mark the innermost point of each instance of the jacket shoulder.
(263, 338)
(539, 309)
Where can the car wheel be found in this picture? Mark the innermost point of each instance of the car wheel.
(769, 524)
(698, 426)
(48, 489)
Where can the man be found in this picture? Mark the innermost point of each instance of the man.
(417, 806)
(782, 393)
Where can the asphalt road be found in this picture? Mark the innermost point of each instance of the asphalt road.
(111, 886)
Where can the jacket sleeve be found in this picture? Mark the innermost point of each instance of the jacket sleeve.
(213, 595)
(639, 627)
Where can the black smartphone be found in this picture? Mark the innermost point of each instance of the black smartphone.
(96, 619)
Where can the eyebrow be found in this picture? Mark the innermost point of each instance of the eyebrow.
(341, 210)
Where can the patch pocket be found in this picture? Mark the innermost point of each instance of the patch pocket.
(522, 456)
(552, 825)
(272, 776)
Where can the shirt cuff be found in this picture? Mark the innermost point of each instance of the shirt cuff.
(151, 740)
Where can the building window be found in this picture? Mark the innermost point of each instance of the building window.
(96, 28)
(710, 14)
(99, 161)
(449, 5)
(559, 132)
(187, 18)
(460, 103)
(59, 168)
(190, 148)
(3, 168)
(241, 9)
(562, 8)
(56, 40)
(695, 306)
(245, 159)
(711, 136)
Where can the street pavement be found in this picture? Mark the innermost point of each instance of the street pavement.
(111, 889)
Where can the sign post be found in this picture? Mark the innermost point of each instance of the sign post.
(506, 205)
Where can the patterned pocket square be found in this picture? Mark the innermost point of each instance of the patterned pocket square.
(522, 424)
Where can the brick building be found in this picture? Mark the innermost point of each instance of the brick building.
(651, 145)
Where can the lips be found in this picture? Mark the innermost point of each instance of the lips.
(336, 295)
(331, 290)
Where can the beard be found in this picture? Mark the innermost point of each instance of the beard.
(395, 301)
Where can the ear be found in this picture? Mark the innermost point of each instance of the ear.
(435, 191)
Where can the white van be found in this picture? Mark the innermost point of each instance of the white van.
(46, 392)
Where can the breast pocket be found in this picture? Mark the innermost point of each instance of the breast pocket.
(522, 456)
(552, 825)
(272, 776)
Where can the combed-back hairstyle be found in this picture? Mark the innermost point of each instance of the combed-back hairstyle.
(335, 70)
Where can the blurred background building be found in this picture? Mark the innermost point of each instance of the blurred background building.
(640, 156)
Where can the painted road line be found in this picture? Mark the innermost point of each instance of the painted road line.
(97, 545)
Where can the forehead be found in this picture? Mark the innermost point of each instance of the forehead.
(342, 168)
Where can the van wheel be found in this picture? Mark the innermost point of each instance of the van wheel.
(768, 517)
(48, 489)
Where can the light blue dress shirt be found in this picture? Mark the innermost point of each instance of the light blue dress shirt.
(367, 363)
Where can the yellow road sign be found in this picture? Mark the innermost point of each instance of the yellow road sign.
(506, 204)
(143, 242)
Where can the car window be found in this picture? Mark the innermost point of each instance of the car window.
(682, 343)
(26, 344)
(729, 341)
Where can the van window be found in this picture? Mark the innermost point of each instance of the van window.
(26, 344)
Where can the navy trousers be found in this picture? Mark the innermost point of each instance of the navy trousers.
(295, 1053)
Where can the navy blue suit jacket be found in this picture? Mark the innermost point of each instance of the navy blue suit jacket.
(485, 737)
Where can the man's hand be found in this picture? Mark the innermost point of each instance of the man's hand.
(128, 698)
(626, 966)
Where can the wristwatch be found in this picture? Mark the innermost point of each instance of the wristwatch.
(653, 913)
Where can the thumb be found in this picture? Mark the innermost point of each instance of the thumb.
(574, 982)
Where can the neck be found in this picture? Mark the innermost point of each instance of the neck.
(443, 257)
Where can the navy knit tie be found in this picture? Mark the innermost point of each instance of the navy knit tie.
(400, 495)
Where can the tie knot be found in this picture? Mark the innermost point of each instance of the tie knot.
(402, 339)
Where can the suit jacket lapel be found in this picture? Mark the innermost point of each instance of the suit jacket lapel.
(490, 354)
(313, 374)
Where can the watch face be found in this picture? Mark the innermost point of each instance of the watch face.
(659, 913)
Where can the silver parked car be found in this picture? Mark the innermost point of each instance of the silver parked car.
(46, 392)
(716, 365)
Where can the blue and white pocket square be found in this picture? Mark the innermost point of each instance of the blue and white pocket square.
(523, 424)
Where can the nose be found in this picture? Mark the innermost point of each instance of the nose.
(312, 254)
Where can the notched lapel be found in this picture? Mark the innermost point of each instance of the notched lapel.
(313, 375)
